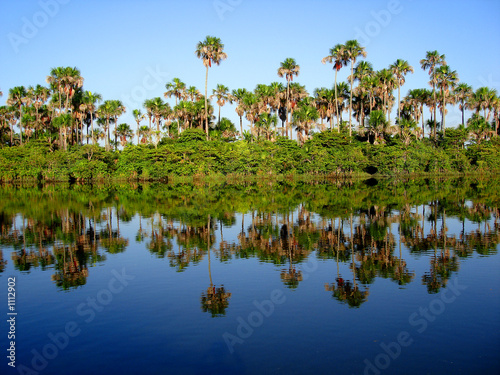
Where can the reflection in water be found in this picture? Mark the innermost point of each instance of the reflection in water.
(363, 228)
(215, 299)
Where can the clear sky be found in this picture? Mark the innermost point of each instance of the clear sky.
(129, 50)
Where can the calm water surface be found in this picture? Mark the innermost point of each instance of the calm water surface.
(365, 277)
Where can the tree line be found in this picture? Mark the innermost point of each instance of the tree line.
(64, 114)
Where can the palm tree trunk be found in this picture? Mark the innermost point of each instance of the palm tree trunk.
(463, 118)
(444, 113)
(206, 103)
(138, 141)
(435, 107)
(287, 104)
(399, 101)
(350, 101)
(106, 141)
(21, 123)
(241, 126)
(336, 103)
(92, 128)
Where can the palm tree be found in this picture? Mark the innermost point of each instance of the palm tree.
(238, 96)
(337, 58)
(211, 50)
(124, 132)
(462, 94)
(378, 124)
(386, 82)
(106, 112)
(176, 88)
(400, 68)
(445, 79)
(117, 110)
(483, 99)
(304, 119)
(362, 72)
(221, 93)
(144, 133)
(185, 111)
(250, 106)
(352, 50)
(267, 124)
(288, 69)
(298, 93)
(193, 94)
(432, 60)
(89, 102)
(138, 117)
(16, 99)
(40, 95)
(66, 80)
(478, 128)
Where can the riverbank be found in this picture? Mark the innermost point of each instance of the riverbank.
(327, 155)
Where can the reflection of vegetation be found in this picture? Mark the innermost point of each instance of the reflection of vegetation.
(215, 299)
(365, 227)
(346, 292)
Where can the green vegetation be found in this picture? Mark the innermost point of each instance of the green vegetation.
(59, 127)
(326, 154)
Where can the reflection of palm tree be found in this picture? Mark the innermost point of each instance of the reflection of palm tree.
(343, 290)
(215, 299)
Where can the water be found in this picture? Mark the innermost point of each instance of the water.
(388, 277)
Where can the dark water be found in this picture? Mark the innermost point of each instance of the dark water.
(378, 277)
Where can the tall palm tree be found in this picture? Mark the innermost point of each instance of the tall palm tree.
(138, 117)
(176, 88)
(288, 69)
(445, 79)
(40, 97)
(400, 68)
(89, 102)
(433, 60)
(362, 71)
(337, 58)
(148, 106)
(298, 93)
(105, 112)
(211, 50)
(118, 109)
(386, 81)
(237, 96)
(352, 51)
(221, 93)
(16, 99)
(462, 94)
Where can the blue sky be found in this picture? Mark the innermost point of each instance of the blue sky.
(128, 49)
